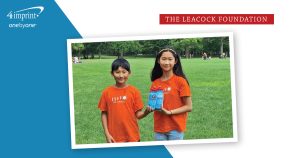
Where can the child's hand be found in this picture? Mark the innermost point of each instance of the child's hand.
(148, 110)
(141, 114)
(165, 111)
(110, 139)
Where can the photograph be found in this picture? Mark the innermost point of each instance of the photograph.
(152, 90)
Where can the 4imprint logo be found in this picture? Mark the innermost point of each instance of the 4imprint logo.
(25, 15)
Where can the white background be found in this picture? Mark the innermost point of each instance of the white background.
(267, 64)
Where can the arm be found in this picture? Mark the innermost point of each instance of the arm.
(109, 138)
(187, 107)
(141, 114)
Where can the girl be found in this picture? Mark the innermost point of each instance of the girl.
(121, 105)
(170, 122)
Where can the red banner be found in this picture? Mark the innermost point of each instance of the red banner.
(216, 18)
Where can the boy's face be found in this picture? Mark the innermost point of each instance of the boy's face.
(121, 75)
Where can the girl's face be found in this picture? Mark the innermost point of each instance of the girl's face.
(121, 75)
(167, 61)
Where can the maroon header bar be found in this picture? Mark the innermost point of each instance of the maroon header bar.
(216, 18)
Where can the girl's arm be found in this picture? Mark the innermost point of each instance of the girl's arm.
(141, 114)
(109, 138)
(187, 107)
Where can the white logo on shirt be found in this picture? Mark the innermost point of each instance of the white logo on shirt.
(168, 89)
(119, 99)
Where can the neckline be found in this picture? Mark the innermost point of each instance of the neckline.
(115, 87)
(166, 79)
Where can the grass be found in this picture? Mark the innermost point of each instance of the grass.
(211, 95)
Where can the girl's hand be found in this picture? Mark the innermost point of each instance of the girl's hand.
(165, 111)
(110, 139)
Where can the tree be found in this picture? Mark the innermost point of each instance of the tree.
(102, 47)
(187, 46)
(91, 49)
(215, 46)
(84, 52)
(134, 47)
(153, 46)
(119, 48)
(77, 48)
(224, 47)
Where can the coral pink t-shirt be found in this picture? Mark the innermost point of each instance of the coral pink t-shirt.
(121, 105)
(174, 88)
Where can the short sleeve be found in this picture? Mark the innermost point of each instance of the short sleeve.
(152, 85)
(138, 102)
(102, 105)
(184, 89)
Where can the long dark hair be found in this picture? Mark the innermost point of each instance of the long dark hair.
(177, 69)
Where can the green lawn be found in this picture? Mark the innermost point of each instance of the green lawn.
(211, 95)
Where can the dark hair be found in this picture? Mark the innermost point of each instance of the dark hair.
(120, 62)
(177, 69)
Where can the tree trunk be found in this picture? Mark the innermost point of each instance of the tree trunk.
(92, 56)
(79, 53)
(187, 54)
(221, 49)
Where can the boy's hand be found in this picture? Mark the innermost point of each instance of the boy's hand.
(141, 114)
(148, 110)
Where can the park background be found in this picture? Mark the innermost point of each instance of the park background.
(208, 75)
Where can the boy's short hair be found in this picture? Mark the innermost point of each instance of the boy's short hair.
(120, 62)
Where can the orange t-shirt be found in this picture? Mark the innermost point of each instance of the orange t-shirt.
(174, 88)
(121, 105)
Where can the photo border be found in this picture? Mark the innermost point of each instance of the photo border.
(152, 143)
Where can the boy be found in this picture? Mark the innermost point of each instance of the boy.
(121, 105)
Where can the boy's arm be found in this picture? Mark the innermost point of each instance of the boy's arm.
(109, 138)
(141, 114)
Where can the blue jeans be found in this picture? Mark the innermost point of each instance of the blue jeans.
(171, 135)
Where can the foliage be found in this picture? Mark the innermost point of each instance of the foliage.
(185, 47)
(77, 48)
(213, 45)
(188, 45)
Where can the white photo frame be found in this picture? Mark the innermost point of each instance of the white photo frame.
(150, 143)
